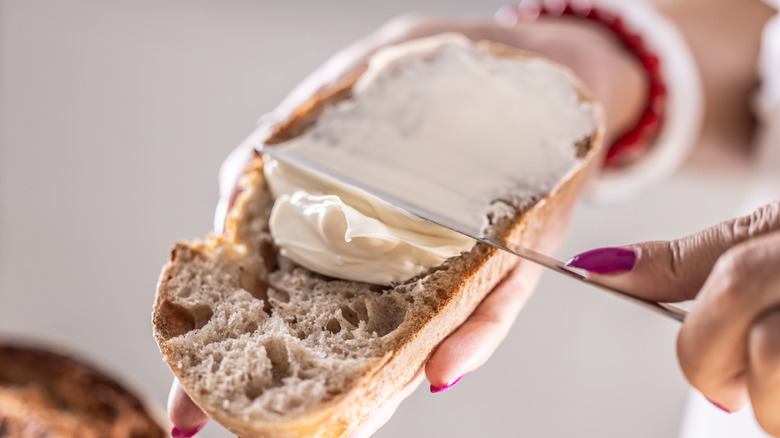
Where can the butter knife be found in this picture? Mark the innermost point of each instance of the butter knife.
(408, 204)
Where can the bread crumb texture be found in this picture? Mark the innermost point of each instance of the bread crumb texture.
(264, 338)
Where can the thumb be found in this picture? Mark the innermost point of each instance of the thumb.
(673, 271)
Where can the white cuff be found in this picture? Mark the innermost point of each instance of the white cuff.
(684, 106)
(769, 68)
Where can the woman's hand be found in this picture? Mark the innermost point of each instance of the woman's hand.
(729, 345)
(615, 79)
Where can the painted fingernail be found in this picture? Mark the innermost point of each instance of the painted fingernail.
(178, 433)
(719, 406)
(604, 260)
(435, 389)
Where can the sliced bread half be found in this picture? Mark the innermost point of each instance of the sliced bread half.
(271, 349)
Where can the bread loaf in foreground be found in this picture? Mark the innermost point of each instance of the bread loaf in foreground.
(271, 349)
(46, 394)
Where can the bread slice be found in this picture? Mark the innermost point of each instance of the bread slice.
(46, 394)
(270, 349)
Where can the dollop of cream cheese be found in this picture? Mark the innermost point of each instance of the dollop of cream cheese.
(458, 126)
(344, 232)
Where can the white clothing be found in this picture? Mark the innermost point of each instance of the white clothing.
(684, 106)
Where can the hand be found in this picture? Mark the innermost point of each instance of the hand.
(729, 345)
(593, 55)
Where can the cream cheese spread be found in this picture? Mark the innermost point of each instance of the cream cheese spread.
(340, 231)
(455, 124)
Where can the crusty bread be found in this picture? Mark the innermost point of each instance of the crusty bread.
(45, 394)
(270, 349)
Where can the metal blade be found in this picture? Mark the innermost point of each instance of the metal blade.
(440, 218)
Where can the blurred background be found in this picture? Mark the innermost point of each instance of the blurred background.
(114, 119)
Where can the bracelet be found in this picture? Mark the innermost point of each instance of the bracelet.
(634, 142)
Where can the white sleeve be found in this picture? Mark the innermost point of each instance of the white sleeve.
(684, 107)
(768, 100)
(768, 113)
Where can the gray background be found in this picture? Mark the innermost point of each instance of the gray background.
(114, 118)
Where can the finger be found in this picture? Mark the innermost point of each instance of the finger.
(231, 170)
(712, 344)
(470, 346)
(673, 271)
(184, 414)
(386, 411)
(763, 377)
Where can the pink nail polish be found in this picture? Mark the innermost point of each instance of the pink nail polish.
(604, 260)
(178, 433)
(435, 389)
(719, 406)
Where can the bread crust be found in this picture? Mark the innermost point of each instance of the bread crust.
(390, 373)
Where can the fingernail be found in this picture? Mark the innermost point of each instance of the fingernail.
(719, 406)
(435, 389)
(178, 433)
(604, 260)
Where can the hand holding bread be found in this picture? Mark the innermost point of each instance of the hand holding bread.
(463, 351)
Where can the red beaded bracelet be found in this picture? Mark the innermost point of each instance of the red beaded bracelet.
(634, 142)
